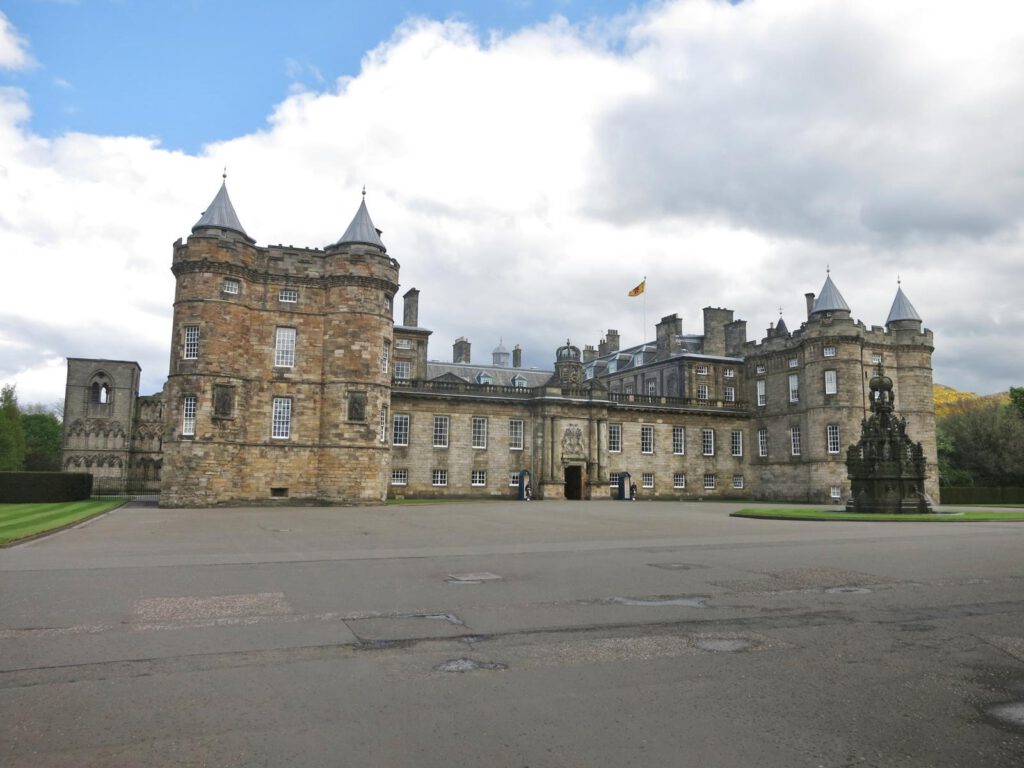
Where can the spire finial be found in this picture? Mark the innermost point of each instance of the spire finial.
(364, 191)
(898, 281)
(828, 269)
(224, 175)
(780, 310)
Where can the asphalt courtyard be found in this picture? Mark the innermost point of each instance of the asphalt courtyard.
(511, 634)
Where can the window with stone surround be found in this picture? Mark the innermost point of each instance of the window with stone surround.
(831, 383)
(762, 392)
(513, 479)
(760, 370)
(614, 438)
(439, 477)
(613, 479)
(794, 362)
(440, 431)
(191, 347)
(384, 424)
(829, 351)
(188, 414)
(679, 480)
(230, 286)
(515, 434)
(701, 370)
(729, 373)
(288, 296)
(762, 442)
(794, 388)
(403, 343)
(702, 391)
(385, 356)
(652, 387)
(281, 419)
(479, 431)
(794, 440)
(730, 394)
(736, 442)
(284, 348)
(646, 439)
(478, 478)
(709, 481)
(836, 493)
(400, 429)
(679, 440)
(707, 441)
(737, 481)
(403, 369)
(832, 438)
(647, 480)
(399, 476)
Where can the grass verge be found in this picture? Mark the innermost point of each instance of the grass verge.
(966, 516)
(22, 521)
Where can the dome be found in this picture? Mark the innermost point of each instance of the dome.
(568, 352)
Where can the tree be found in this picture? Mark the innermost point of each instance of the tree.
(44, 436)
(981, 443)
(1017, 400)
(12, 439)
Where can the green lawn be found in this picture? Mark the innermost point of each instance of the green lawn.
(18, 521)
(966, 516)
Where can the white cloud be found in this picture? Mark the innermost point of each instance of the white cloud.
(13, 47)
(526, 182)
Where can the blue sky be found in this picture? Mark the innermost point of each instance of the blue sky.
(528, 162)
(195, 72)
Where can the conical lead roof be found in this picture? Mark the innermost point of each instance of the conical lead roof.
(221, 213)
(830, 299)
(902, 309)
(361, 230)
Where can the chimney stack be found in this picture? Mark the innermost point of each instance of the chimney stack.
(411, 308)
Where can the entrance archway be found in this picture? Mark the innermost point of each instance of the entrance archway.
(574, 482)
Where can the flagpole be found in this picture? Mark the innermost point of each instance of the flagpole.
(643, 331)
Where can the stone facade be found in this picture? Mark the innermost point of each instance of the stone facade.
(289, 382)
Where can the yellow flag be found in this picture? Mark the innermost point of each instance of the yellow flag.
(639, 289)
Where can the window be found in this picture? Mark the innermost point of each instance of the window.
(403, 369)
(284, 348)
(191, 351)
(794, 362)
(518, 381)
(281, 420)
(829, 351)
(478, 477)
(707, 441)
(400, 429)
(385, 356)
(679, 440)
(831, 387)
(479, 432)
(289, 296)
(613, 479)
(515, 434)
(702, 391)
(836, 492)
(614, 438)
(832, 438)
(648, 479)
(646, 439)
(403, 344)
(729, 373)
(627, 389)
(794, 440)
(440, 431)
(652, 387)
(513, 479)
(709, 481)
(399, 476)
(702, 370)
(384, 424)
(737, 481)
(762, 392)
(439, 477)
(230, 285)
(678, 480)
(762, 442)
(188, 414)
(876, 359)
(794, 388)
(736, 442)
(730, 394)
(484, 378)
(760, 370)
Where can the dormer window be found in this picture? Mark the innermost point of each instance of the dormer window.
(518, 381)
(484, 378)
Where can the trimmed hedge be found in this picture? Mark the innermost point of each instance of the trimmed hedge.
(969, 494)
(41, 487)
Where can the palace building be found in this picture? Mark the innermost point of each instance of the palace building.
(290, 382)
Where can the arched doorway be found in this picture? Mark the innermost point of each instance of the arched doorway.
(574, 482)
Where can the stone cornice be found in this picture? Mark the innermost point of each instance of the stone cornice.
(261, 276)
